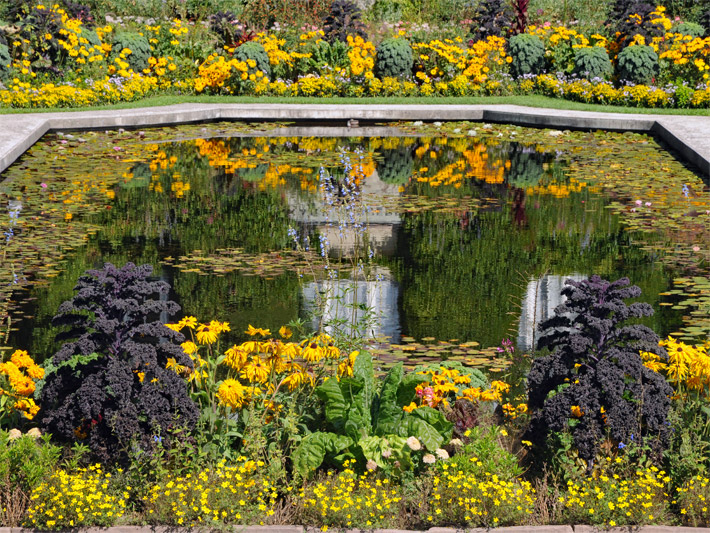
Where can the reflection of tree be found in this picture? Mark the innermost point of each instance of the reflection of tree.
(462, 281)
(396, 165)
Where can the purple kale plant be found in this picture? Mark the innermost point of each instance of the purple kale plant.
(593, 383)
(108, 385)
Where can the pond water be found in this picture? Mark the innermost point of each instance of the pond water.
(450, 237)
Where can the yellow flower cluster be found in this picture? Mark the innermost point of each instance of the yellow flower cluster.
(693, 499)
(227, 494)
(686, 57)
(75, 500)
(17, 384)
(610, 499)
(459, 498)
(687, 368)
(362, 57)
(347, 500)
(104, 91)
(220, 75)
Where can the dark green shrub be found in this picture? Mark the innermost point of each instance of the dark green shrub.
(5, 61)
(78, 11)
(637, 64)
(139, 47)
(108, 385)
(634, 18)
(394, 59)
(528, 54)
(343, 20)
(689, 28)
(25, 461)
(594, 384)
(396, 165)
(705, 19)
(592, 62)
(491, 18)
(256, 52)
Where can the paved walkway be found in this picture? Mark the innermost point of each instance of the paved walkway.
(689, 135)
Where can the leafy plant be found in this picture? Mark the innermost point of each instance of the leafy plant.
(254, 52)
(592, 62)
(689, 28)
(225, 25)
(520, 16)
(344, 19)
(528, 54)
(639, 18)
(139, 47)
(638, 64)
(491, 18)
(108, 385)
(355, 412)
(394, 59)
(326, 56)
(396, 165)
(25, 461)
(594, 383)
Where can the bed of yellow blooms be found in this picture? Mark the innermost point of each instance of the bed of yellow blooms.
(609, 499)
(693, 501)
(78, 499)
(349, 500)
(456, 498)
(18, 376)
(226, 494)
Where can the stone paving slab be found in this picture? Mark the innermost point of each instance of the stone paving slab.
(689, 135)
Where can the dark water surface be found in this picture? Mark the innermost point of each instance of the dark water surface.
(468, 236)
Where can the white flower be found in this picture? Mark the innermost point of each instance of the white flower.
(35, 433)
(371, 465)
(429, 459)
(456, 442)
(14, 434)
(387, 453)
(414, 444)
(442, 454)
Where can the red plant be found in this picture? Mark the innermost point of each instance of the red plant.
(520, 11)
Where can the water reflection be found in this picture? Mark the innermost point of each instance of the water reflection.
(367, 307)
(541, 298)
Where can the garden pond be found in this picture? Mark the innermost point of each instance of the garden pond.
(452, 236)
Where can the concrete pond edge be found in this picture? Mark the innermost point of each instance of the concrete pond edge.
(689, 136)
(302, 529)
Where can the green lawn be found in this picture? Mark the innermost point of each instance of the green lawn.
(532, 101)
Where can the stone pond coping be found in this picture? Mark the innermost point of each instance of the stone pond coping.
(301, 529)
(688, 135)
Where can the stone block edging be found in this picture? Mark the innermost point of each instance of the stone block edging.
(689, 135)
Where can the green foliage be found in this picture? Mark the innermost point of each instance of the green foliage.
(355, 413)
(5, 61)
(689, 28)
(528, 54)
(25, 462)
(637, 64)
(225, 25)
(396, 165)
(592, 62)
(491, 18)
(139, 47)
(256, 52)
(484, 452)
(394, 59)
(326, 56)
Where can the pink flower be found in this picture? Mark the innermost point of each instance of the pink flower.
(638, 202)
(43, 185)
(696, 248)
(648, 204)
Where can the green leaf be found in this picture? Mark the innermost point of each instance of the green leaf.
(435, 419)
(387, 412)
(314, 448)
(407, 388)
(363, 371)
(357, 417)
(416, 427)
(336, 407)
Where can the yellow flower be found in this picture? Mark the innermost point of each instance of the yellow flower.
(285, 332)
(205, 334)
